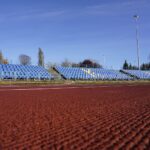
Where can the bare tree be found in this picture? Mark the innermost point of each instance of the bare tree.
(5, 61)
(50, 65)
(1, 58)
(66, 63)
(24, 59)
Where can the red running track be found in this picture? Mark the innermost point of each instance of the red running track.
(102, 117)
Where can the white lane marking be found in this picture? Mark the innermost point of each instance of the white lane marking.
(52, 88)
(61, 88)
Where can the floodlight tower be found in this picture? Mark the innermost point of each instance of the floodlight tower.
(136, 17)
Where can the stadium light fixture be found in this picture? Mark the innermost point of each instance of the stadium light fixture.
(136, 17)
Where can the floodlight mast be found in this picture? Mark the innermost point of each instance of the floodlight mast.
(136, 17)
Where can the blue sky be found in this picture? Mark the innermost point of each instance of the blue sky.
(75, 30)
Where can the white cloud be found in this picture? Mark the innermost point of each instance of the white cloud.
(42, 15)
(117, 8)
(31, 14)
(105, 9)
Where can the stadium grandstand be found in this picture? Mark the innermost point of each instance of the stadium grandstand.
(139, 74)
(11, 71)
(77, 73)
(25, 72)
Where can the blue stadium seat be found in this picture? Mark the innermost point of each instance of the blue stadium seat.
(11, 71)
(140, 74)
(77, 73)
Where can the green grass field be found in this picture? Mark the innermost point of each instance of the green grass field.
(70, 82)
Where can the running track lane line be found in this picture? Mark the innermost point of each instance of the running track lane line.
(61, 88)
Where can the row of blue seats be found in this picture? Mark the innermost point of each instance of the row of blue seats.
(140, 74)
(110, 74)
(11, 71)
(91, 73)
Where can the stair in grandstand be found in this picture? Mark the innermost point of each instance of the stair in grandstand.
(127, 73)
(56, 74)
(138, 74)
(89, 72)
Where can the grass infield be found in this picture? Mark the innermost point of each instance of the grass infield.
(70, 82)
